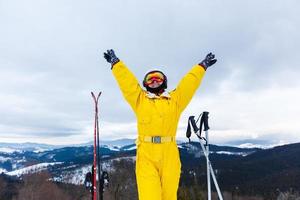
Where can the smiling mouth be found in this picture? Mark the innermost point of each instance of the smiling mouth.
(155, 84)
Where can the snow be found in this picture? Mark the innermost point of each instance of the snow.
(69, 167)
(76, 176)
(79, 175)
(131, 148)
(50, 156)
(231, 153)
(2, 170)
(14, 165)
(262, 146)
(4, 159)
(250, 145)
(8, 150)
(113, 148)
(40, 150)
(32, 169)
(132, 158)
(23, 160)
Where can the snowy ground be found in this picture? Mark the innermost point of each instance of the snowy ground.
(4, 159)
(77, 176)
(2, 170)
(32, 169)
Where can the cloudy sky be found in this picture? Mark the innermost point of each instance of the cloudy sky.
(51, 59)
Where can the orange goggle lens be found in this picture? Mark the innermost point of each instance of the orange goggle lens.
(156, 76)
(153, 79)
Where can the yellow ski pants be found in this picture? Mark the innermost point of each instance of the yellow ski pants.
(158, 170)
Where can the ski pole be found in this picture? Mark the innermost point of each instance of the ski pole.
(207, 167)
(210, 171)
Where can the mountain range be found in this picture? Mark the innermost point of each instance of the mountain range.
(251, 170)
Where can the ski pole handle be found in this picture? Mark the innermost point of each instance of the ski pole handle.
(205, 120)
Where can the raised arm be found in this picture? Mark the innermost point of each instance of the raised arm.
(127, 82)
(191, 81)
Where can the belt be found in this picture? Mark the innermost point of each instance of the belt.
(157, 139)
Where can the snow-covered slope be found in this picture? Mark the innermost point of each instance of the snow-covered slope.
(9, 150)
(32, 169)
(28, 146)
(77, 174)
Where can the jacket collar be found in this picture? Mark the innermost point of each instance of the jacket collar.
(165, 94)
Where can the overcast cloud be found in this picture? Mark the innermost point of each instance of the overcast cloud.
(51, 59)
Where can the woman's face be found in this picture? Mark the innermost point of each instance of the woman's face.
(155, 83)
(154, 80)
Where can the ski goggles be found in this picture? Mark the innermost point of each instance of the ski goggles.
(155, 76)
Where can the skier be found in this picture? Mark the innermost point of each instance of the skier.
(158, 163)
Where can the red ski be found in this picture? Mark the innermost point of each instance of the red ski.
(96, 148)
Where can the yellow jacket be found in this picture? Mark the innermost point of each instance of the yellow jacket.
(157, 116)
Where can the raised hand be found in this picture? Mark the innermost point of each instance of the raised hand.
(208, 61)
(111, 57)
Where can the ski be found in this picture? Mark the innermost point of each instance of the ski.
(96, 153)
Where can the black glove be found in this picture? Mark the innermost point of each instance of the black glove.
(111, 57)
(208, 61)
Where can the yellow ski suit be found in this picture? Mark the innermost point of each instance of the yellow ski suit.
(158, 166)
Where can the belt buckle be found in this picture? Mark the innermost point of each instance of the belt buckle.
(156, 139)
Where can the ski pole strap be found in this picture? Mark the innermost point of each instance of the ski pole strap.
(157, 139)
(192, 124)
